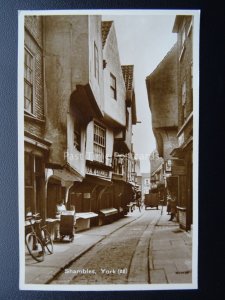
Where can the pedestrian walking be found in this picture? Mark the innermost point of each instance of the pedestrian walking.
(138, 200)
(168, 206)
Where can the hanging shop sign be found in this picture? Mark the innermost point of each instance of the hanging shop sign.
(168, 165)
(175, 167)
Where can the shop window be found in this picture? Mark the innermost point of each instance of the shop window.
(28, 80)
(113, 86)
(99, 143)
(96, 62)
(77, 135)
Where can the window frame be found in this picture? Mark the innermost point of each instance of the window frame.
(77, 134)
(96, 62)
(113, 87)
(99, 143)
(29, 81)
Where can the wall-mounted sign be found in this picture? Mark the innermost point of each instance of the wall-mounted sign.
(87, 195)
(97, 172)
(174, 167)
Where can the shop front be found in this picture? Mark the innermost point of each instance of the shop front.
(185, 208)
(35, 156)
(177, 186)
(58, 184)
(93, 197)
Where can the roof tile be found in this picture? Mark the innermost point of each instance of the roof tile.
(106, 25)
(128, 73)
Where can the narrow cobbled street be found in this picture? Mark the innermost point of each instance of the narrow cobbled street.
(125, 256)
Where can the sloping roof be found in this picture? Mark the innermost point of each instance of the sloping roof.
(128, 75)
(128, 71)
(106, 25)
(163, 61)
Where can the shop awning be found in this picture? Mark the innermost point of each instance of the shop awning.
(108, 211)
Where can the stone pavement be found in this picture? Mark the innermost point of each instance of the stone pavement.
(170, 252)
(65, 252)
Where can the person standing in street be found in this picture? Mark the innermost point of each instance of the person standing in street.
(60, 207)
(172, 207)
(138, 200)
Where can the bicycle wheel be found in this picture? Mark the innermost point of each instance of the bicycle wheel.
(47, 241)
(35, 247)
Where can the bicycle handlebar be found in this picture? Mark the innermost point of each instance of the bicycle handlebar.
(34, 217)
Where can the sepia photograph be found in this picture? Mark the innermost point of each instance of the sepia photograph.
(108, 111)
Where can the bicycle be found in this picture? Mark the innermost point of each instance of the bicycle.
(38, 240)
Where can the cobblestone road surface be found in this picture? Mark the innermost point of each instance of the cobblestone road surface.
(122, 257)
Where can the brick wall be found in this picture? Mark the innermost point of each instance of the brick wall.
(34, 128)
(33, 42)
(34, 25)
(185, 68)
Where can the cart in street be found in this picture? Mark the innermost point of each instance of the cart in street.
(67, 224)
(151, 200)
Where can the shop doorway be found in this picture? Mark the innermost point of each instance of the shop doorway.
(54, 196)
